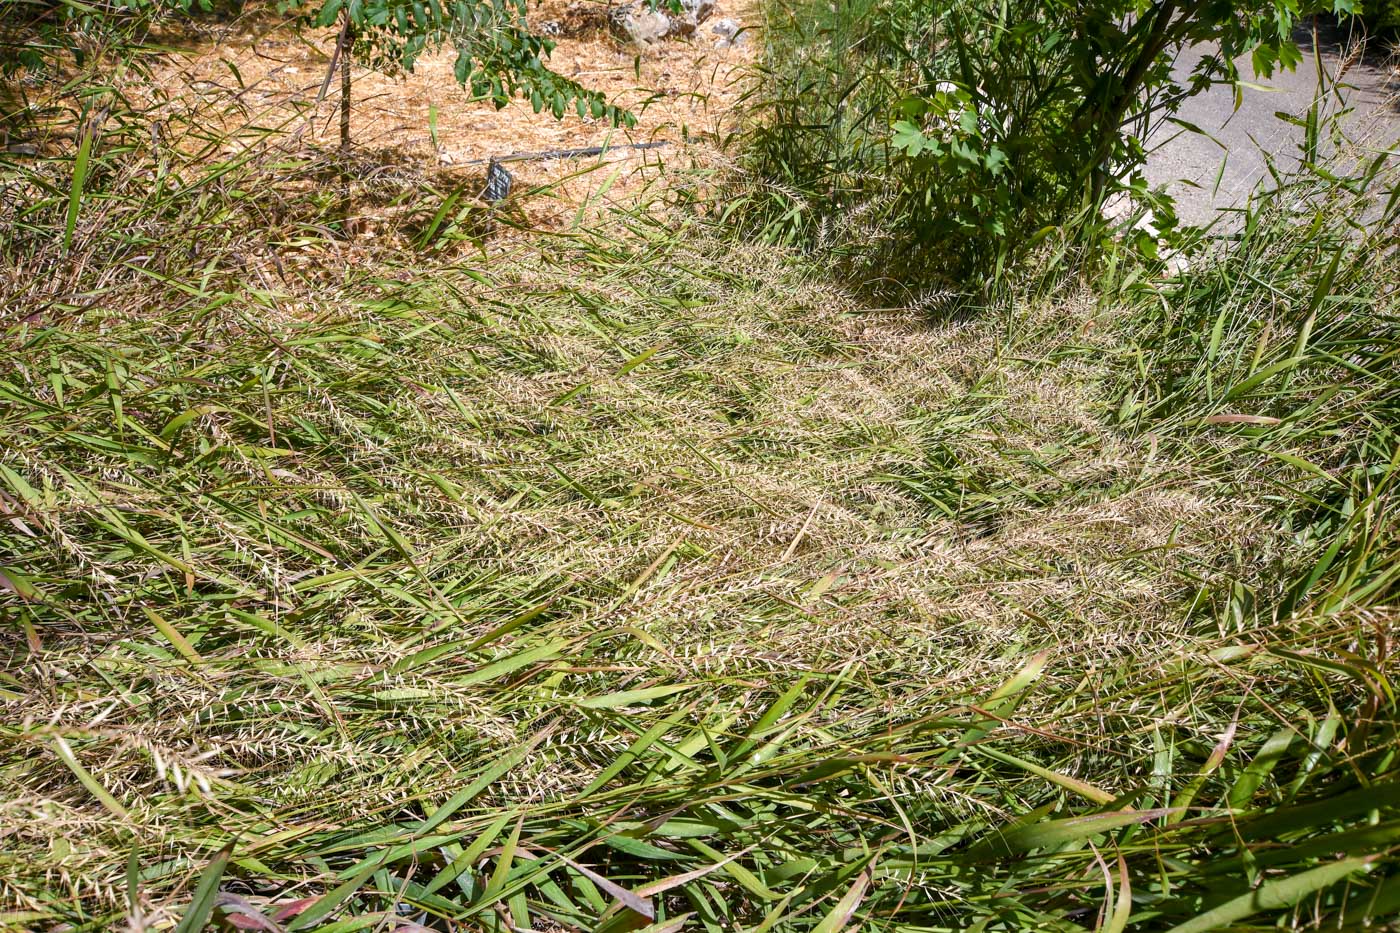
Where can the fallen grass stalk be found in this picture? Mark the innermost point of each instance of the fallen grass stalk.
(652, 578)
(819, 613)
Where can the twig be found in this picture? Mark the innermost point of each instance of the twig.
(340, 49)
(563, 153)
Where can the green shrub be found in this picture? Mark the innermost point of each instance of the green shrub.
(36, 36)
(497, 56)
(1379, 14)
(968, 129)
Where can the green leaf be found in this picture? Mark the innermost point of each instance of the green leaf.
(631, 697)
(197, 914)
(908, 137)
(1263, 376)
(512, 663)
(80, 172)
(86, 779)
(1249, 780)
(332, 899)
(1278, 894)
(1055, 833)
(488, 777)
(639, 359)
(19, 584)
(840, 915)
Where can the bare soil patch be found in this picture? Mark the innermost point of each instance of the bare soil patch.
(685, 93)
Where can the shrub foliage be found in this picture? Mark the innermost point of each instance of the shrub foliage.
(973, 127)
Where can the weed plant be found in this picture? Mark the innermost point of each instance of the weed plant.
(660, 582)
(647, 579)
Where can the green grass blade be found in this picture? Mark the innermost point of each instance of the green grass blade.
(1275, 895)
(196, 916)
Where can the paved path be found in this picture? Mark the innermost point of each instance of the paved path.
(1369, 87)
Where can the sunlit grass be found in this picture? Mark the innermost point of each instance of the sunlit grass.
(667, 577)
(652, 579)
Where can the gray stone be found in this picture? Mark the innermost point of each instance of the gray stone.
(633, 21)
(644, 26)
(693, 13)
(730, 33)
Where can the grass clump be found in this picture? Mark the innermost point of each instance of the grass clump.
(662, 581)
(652, 580)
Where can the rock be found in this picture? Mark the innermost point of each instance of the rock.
(730, 33)
(644, 26)
(693, 13)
